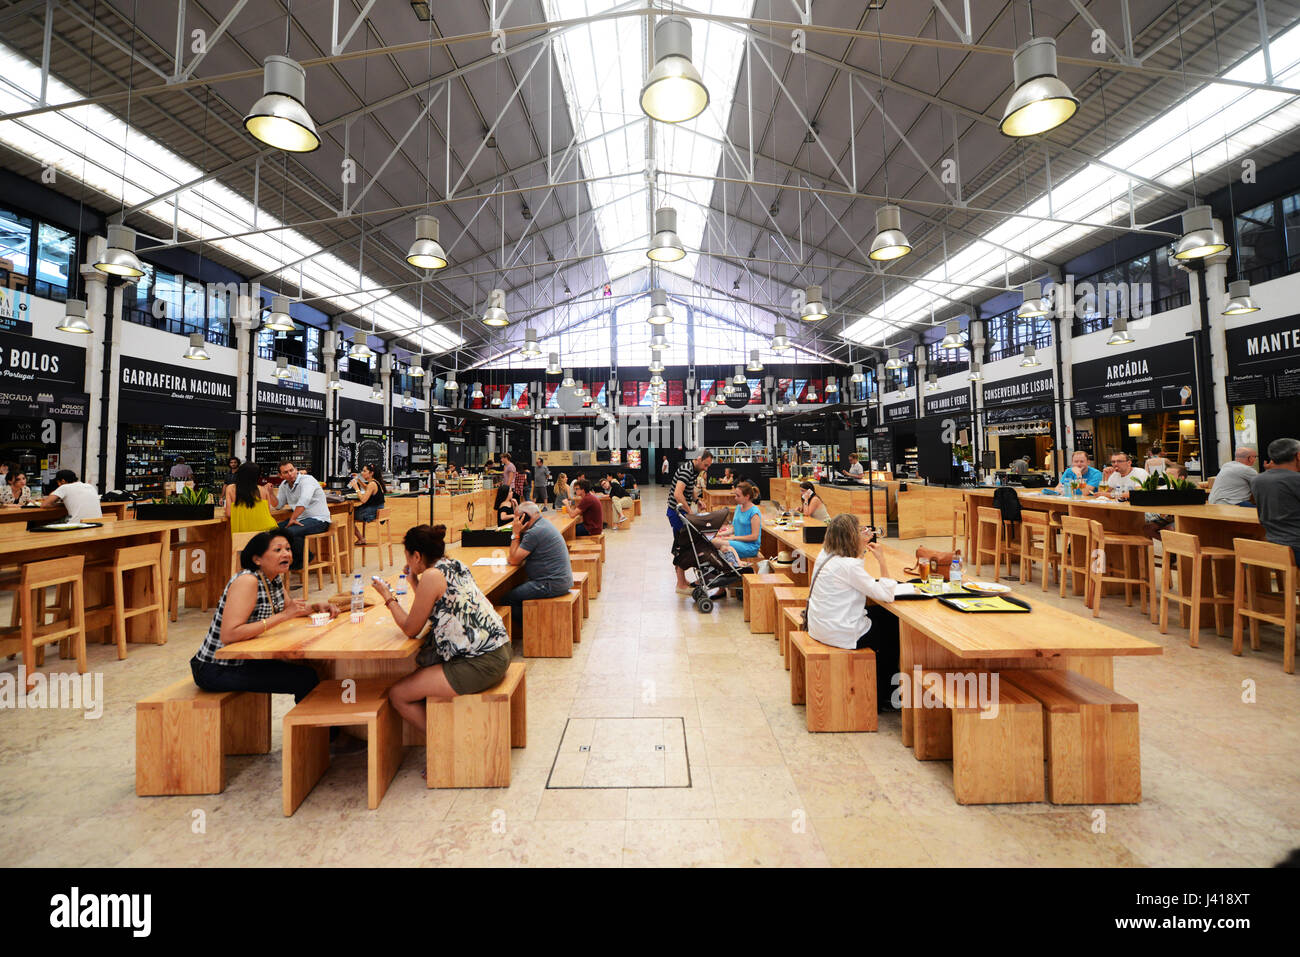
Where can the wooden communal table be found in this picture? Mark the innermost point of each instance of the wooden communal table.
(18, 547)
(52, 513)
(719, 498)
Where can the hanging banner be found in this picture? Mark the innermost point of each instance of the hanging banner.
(1023, 388)
(946, 403)
(898, 411)
(145, 381)
(1264, 361)
(1148, 380)
(274, 398)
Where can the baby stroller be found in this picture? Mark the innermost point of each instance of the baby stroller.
(692, 548)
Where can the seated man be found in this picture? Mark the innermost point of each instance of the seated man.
(81, 499)
(586, 508)
(618, 499)
(311, 513)
(538, 546)
(1235, 483)
(1277, 493)
(1081, 473)
(1121, 476)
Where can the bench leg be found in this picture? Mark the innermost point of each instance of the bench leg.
(1093, 757)
(798, 675)
(383, 753)
(841, 693)
(306, 758)
(519, 715)
(997, 760)
(468, 743)
(178, 750)
(932, 724)
(246, 724)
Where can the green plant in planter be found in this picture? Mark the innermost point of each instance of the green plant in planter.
(1181, 485)
(190, 496)
(1153, 482)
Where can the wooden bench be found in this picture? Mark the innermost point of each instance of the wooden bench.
(582, 581)
(552, 625)
(334, 704)
(791, 620)
(996, 759)
(636, 508)
(506, 613)
(588, 561)
(793, 596)
(758, 608)
(183, 734)
(469, 737)
(1091, 737)
(837, 686)
(598, 540)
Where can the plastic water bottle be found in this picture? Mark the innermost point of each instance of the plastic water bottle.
(358, 599)
(401, 586)
(954, 570)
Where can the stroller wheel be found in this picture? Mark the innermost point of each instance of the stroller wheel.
(705, 605)
(697, 593)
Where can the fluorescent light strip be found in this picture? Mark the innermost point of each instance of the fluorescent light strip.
(93, 137)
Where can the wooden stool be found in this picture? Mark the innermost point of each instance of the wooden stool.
(837, 686)
(1188, 548)
(469, 737)
(783, 597)
(32, 633)
(1251, 557)
(587, 560)
(1035, 549)
(1144, 576)
(990, 540)
(959, 532)
(591, 540)
(1090, 734)
(306, 738)
(383, 538)
(183, 734)
(178, 569)
(791, 620)
(552, 625)
(135, 558)
(327, 559)
(759, 604)
(1076, 555)
(636, 508)
(581, 581)
(506, 614)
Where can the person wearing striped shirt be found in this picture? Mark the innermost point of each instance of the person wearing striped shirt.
(680, 501)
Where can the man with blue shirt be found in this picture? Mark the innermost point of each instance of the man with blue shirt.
(1080, 472)
(311, 513)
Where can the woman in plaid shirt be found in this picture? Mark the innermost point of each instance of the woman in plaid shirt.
(253, 602)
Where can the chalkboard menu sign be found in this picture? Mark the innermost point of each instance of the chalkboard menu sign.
(1264, 361)
(1146, 380)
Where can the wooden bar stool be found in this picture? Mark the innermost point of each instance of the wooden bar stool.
(181, 548)
(147, 560)
(1187, 548)
(327, 559)
(383, 538)
(1253, 557)
(1076, 555)
(33, 632)
(1037, 544)
(959, 533)
(1143, 576)
(989, 526)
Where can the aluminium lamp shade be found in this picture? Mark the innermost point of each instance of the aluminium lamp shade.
(952, 340)
(659, 313)
(780, 341)
(658, 341)
(674, 91)
(495, 314)
(1201, 237)
(553, 363)
(656, 365)
(415, 371)
(1032, 303)
(359, 349)
(74, 318)
(1040, 101)
(567, 382)
(831, 386)
(894, 361)
(974, 375)
(280, 118)
(890, 242)
(426, 251)
(333, 382)
(1119, 334)
(279, 319)
(476, 392)
(932, 383)
(282, 368)
(195, 349)
(451, 384)
(407, 401)
(530, 348)
(755, 363)
(665, 245)
(739, 377)
(1239, 299)
(376, 390)
(1030, 359)
(119, 257)
(814, 310)
(858, 375)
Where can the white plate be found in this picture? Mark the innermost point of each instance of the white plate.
(992, 587)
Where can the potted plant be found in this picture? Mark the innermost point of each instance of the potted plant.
(1160, 490)
(188, 503)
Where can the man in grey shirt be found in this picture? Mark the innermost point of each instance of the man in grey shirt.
(311, 513)
(1277, 492)
(1021, 465)
(537, 545)
(1235, 483)
(541, 483)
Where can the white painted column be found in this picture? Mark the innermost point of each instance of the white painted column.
(114, 393)
(1215, 278)
(245, 349)
(95, 284)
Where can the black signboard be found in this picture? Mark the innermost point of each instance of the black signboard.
(1264, 361)
(739, 397)
(1023, 388)
(154, 393)
(899, 411)
(947, 403)
(1147, 380)
(361, 411)
(404, 419)
(276, 398)
(40, 379)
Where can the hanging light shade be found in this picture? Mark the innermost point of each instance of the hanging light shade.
(377, 389)
(890, 242)
(952, 339)
(579, 389)
(656, 380)
(932, 383)
(894, 361)
(476, 392)
(495, 314)
(359, 349)
(753, 419)
(1032, 303)
(282, 368)
(530, 348)
(719, 398)
(1040, 101)
(659, 312)
(657, 365)
(280, 117)
(755, 363)
(553, 363)
(451, 385)
(811, 394)
(426, 252)
(407, 401)
(495, 401)
(674, 92)
(74, 318)
(739, 377)
(1030, 358)
(665, 245)
(119, 257)
(415, 370)
(279, 319)
(832, 386)
(658, 341)
(1239, 300)
(333, 382)
(858, 375)
(1119, 334)
(567, 382)
(813, 309)
(780, 341)
(1200, 237)
(974, 375)
(195, 350)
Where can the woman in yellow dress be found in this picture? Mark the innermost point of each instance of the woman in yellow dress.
(248, 503)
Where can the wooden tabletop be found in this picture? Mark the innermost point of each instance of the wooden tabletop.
(1214, 513)
(24, 541)
(375, 636)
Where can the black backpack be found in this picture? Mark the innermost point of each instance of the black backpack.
(1006, 501)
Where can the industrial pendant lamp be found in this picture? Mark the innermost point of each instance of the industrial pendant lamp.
(974, 374)
(1030, 359)
(408, 402)
(416, 370)
(280, 117)
(579, 389)
(894, 361)
(282, 368)
(74, 318)
(674, 92)
(196, 350)
(1119, 334)
(755, 363)
(659, 312)
(1201, 238)
(477, 391)
(1239, 300)
(553, 363)
(495, 401)
(451, 384)
(739, 377)
(832, 386)
(359, 349)
(1032, 303)
(426, 252)
(890, 242)
(811, 394)
(279, 319)
(658, 341)
(530, 348)
(567, 382)
(780, 341)
(119, 257)
(377, 389)
(657, 365)
(1040, 101)
(813, 310)
(932, 383)
(665, 245)
(858, 375)
(952, 340)
(333, 382)
(495, 314)
(656, 381)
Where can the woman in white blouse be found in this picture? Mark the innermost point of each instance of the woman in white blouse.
(838, 613)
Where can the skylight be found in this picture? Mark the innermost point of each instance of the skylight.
(1217, 124)
(90, 142)
(602, 68)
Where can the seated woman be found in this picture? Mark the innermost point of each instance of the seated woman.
(248, 501)
(15, 491)
(562, 494)
(728, 477)
(746, 526)
(838, 614)
(466, 648)
(253, 602)
(505, 504)
(369, 486)
(810, 505)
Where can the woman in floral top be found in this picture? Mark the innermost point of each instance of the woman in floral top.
(466, 649)
(15, 490)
